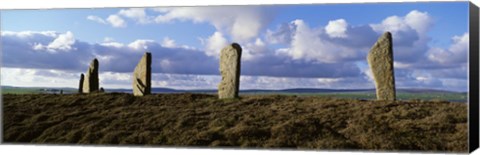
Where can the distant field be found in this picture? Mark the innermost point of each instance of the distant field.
(440, 96)
(252, 121)
(20, 91)
(363, 95)
(29, 90)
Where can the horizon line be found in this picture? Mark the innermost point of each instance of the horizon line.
(401, 88)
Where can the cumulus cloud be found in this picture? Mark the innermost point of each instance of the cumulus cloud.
(409, 34)
(63, 42)
(36, 51)
(241, 22)
(141, 44)
(214, 44)
(113, 44)
(420, 21)
(137, 14)
(340, 42)
(294, 53)
(19, 53)
(116, 21)
(337, 28)
(311, 44)
(456, 53)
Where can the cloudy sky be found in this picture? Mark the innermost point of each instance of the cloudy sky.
(284, 46)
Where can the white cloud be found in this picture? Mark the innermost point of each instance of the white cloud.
(409, 33)
(242, 23)
(460, 44)
(325, 54)
(419, 21)
(265, 82)
(63, 42)
(167, 42)
(140, 44)
(115, 80)
(116, 21)
(307, 44)
(137, 14)
(113, 44)
(392, 24)
(214, 44)
(337, 28)
(397, 64)
(38, 77)
(38, 46)
(456, 53)
(96, 19)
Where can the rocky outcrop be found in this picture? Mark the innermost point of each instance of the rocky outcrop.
(380, 60)
(90, 83)
(230, 57)
(142, 76)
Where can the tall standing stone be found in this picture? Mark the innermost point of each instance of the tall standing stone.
(380, 60)
(230, 57)
(142, 76)
(90, 84)
(80, 87)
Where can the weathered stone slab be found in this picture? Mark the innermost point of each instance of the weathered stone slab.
(380, 60)
(90, 84)
(230, 58)
(80, 87)
(142, 76)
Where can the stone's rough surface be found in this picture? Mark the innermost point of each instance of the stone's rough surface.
(80, 86)
(142, 76)
(230, 70)
(380, 60)
(90, 84)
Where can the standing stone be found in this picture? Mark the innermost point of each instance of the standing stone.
(80, 87)
(90, 84)
(142, 76)
(230, 57)
(380, 60)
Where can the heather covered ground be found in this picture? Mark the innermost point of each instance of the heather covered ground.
(253, 121)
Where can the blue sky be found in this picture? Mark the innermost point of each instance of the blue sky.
(285, 46)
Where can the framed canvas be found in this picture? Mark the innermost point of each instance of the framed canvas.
(359, 77)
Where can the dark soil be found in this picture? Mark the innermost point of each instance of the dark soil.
(272, 121)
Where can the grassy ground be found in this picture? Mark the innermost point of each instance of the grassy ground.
(439, 96)
(268, 121)
(22, 90)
